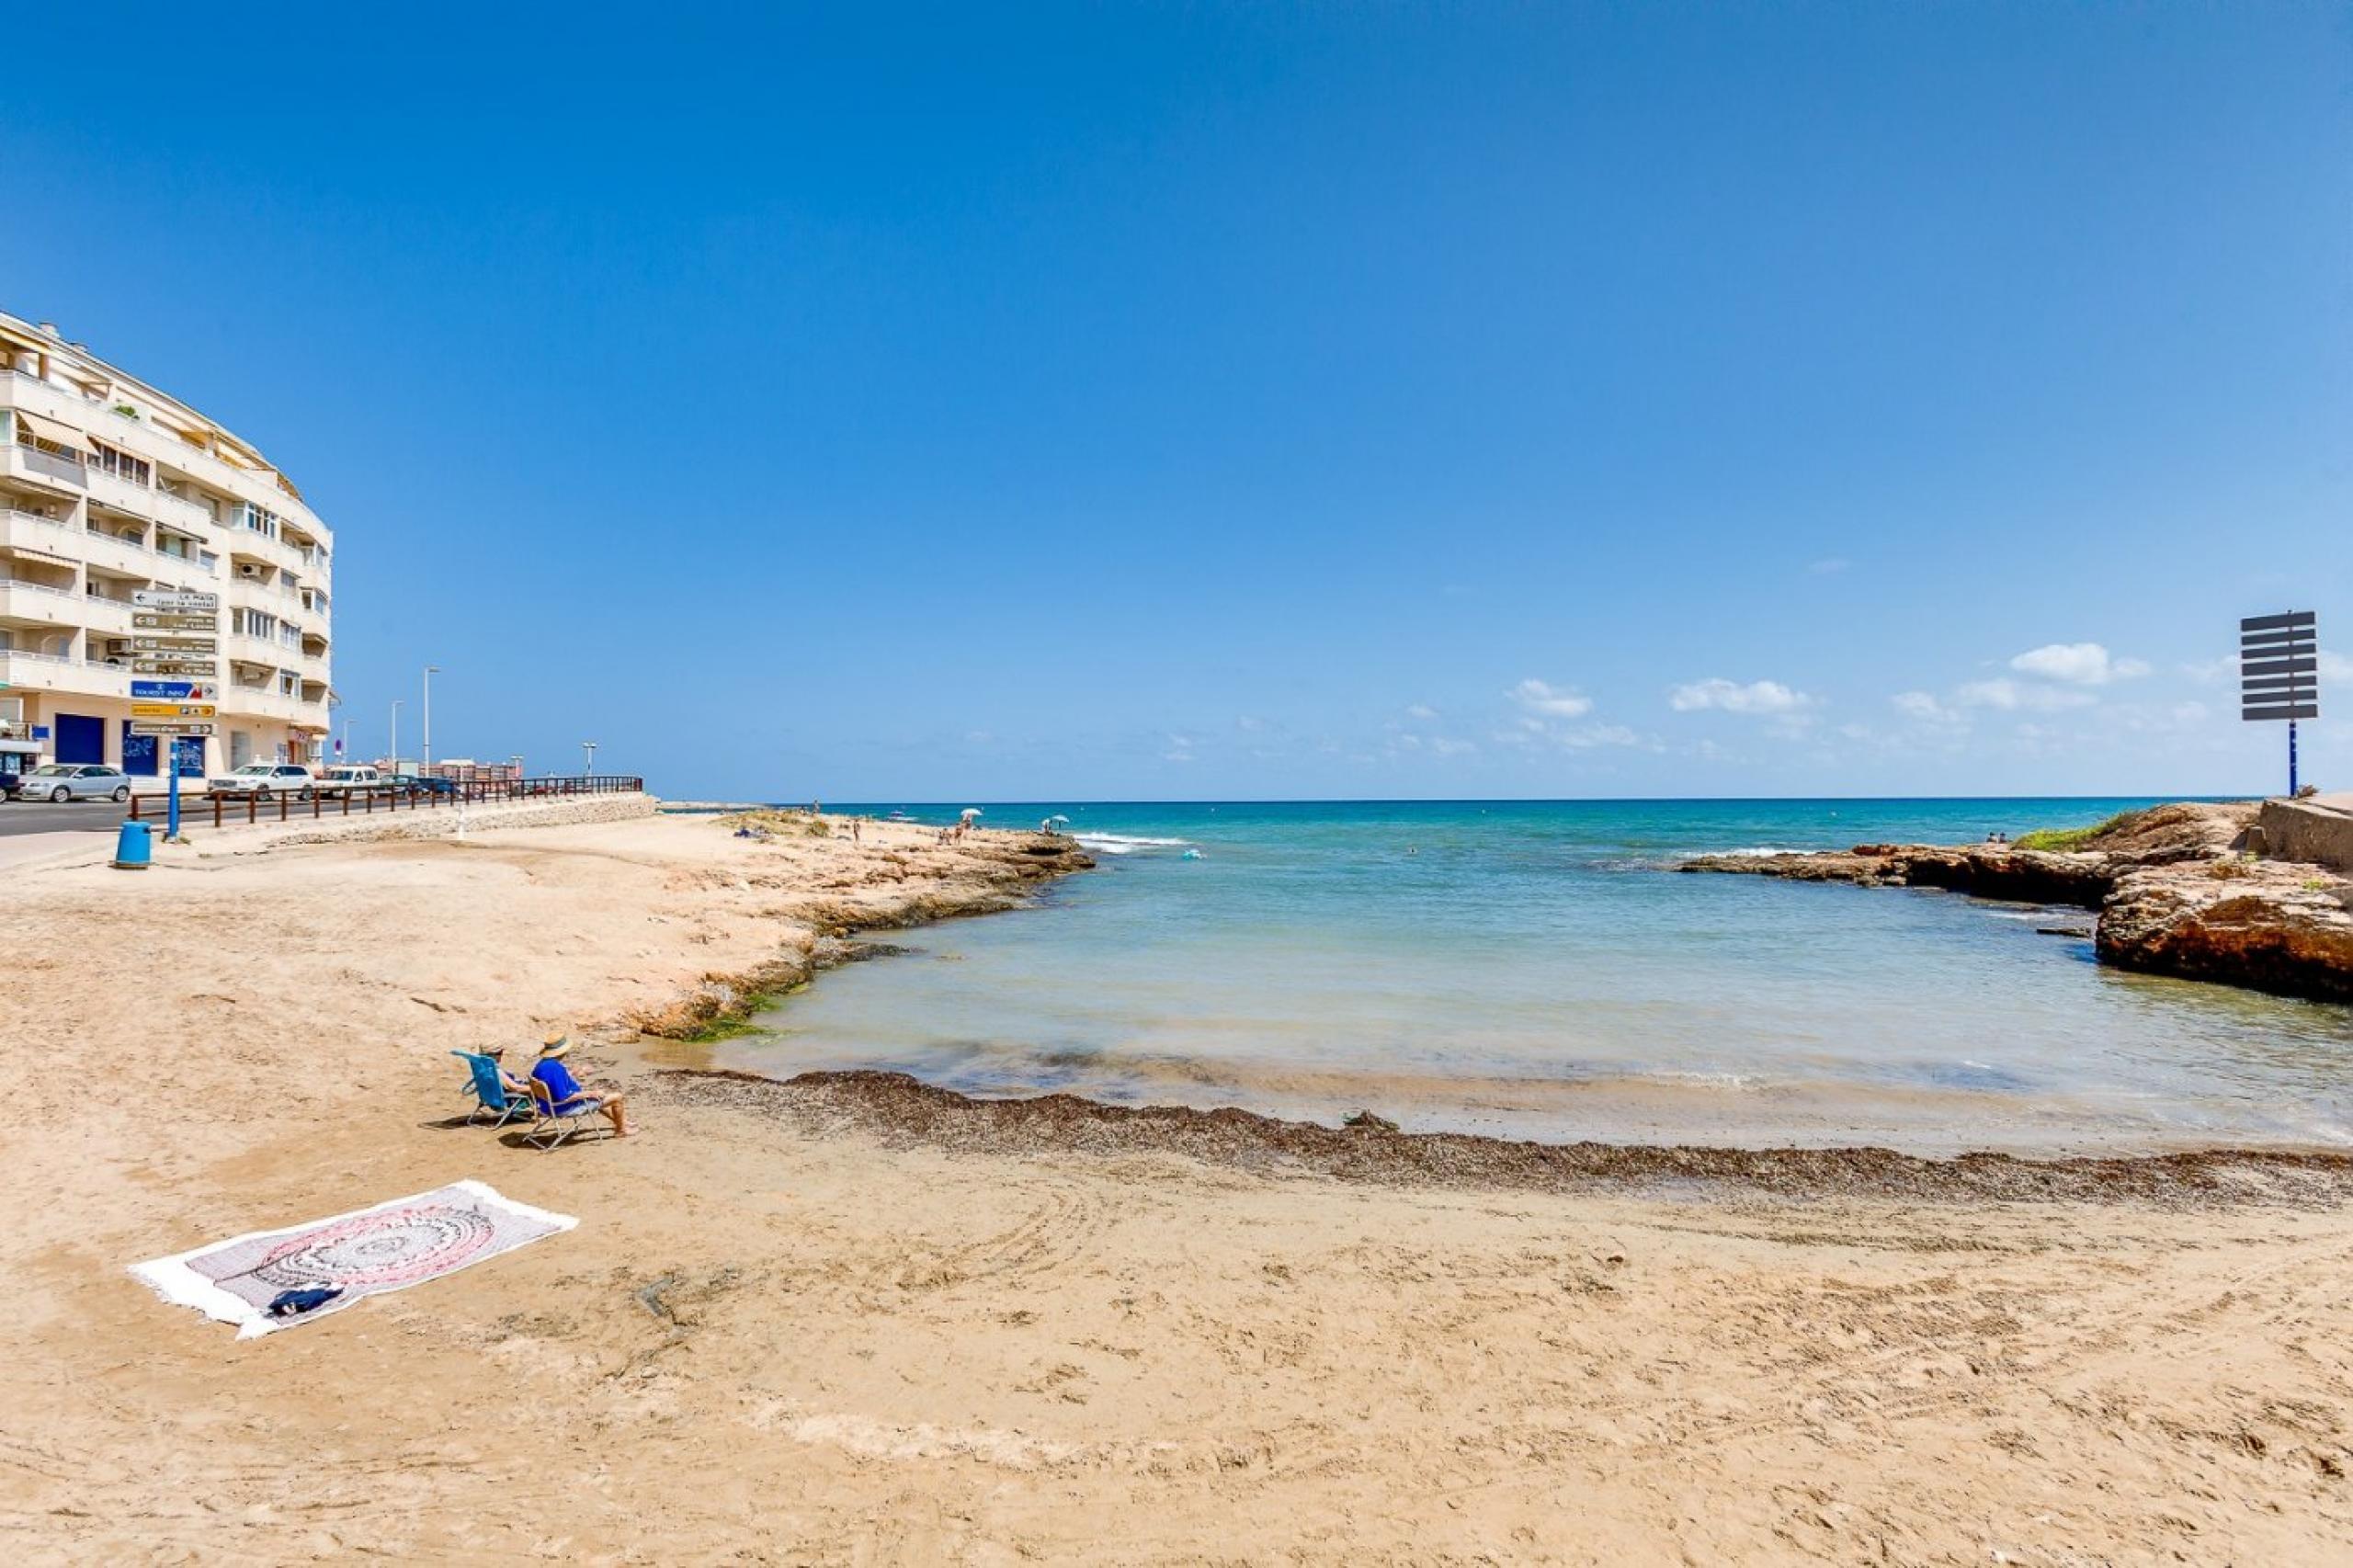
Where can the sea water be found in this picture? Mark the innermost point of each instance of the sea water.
(1538, 970)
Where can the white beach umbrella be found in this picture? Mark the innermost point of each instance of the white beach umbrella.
(969, 812)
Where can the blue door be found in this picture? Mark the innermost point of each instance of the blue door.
(81, 738)
(138, 753)
(188, 755)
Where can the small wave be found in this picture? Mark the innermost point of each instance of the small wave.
(1125, 843)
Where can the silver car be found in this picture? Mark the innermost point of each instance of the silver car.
(73, 781)
(260, 780)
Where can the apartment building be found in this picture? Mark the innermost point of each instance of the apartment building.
(109, 486)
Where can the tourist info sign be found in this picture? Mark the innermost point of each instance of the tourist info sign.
(186, 601)
(171, 692)
(171, 727)
(174, 710)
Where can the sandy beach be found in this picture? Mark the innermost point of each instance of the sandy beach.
(849, 1320)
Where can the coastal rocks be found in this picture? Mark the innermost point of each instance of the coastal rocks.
(2270, 926)
(2176, 894)
(1988, 871)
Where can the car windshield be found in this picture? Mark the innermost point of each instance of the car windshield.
(53, 770)
(253, 770)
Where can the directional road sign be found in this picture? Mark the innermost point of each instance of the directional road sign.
(174, 620)
(184, 599)
(162, 666)
(2279, 666)
(171, 727)
(174, 710)
(178, 645)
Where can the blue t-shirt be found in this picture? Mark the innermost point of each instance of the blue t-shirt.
(561, 1084)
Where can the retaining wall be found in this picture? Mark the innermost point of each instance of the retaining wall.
(2292, 831)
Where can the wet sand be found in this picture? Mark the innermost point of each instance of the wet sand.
(858, 1320)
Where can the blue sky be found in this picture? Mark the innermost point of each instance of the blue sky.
(1217, 401)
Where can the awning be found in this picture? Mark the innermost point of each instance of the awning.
(27, 553)
(49, 430)
(21, 748)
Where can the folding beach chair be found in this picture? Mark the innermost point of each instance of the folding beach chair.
(489, 1089)
(549, 1126)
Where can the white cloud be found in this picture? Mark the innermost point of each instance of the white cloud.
(2077, 664)
(1445, 748)
(1421, 710)
(2334, 667)
(1180, 749)
(1589, 735)
(1924, 706)
(2011, 695)
(1731, 697)
(1559, 702)
(1828, 566)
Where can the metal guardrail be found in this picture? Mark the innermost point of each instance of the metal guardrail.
(225, 810)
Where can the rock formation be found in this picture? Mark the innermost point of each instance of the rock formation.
(2176, 895)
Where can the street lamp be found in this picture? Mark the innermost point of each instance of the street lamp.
(396, 735)
(430, 671)
(590, 748)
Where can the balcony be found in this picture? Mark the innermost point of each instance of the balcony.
(136, 499)
(28, 530)
(111, 615)
(267, 703)
(38, 602)
(48, 469)
(57, 672)
(183, 513)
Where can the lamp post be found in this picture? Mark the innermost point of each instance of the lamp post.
(396, 735)
(590, 748)
(426, 767)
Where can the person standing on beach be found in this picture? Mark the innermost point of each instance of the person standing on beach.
(563, 1091)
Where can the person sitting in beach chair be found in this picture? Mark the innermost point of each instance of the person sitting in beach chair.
(562, 1102)
(495, 1090)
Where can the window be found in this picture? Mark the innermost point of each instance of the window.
(123, 465)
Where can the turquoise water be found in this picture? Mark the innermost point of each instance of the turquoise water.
(1533, 969)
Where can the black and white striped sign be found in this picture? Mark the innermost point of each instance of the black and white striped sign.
(2279, 666)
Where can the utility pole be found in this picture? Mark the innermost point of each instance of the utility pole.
(426, 767)
(590, 748)
(396, 735)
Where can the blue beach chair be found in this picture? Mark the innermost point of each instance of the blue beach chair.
(489, 1089)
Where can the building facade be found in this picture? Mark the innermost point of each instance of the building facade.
(109, 486)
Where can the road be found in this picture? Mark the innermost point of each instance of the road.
(39, 816)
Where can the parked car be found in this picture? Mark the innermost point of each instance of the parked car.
(423, 784)
(263, 780)
(343, 780)
(70, 781)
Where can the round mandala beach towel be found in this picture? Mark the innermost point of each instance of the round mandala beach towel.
(397, 1246)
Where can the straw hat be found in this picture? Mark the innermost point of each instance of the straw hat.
(555, 1043)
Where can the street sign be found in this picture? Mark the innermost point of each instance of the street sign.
(174, 620)
(177, 645)
(160, 666)
(171, 727)
(187, 599)
(174, 710)
(170, 691)
(2280, 673)
(2279, 666)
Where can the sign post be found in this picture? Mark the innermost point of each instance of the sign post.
(171, 708)
(2280, 673)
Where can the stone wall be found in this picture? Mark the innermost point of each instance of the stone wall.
(2315, 835)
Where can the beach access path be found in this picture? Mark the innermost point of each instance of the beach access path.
(788, 1331)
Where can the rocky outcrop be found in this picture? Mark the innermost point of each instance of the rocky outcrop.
(1988, 871)
(2175, 894)
(2271, 925)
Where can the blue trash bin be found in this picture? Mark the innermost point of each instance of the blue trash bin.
(132, 848)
